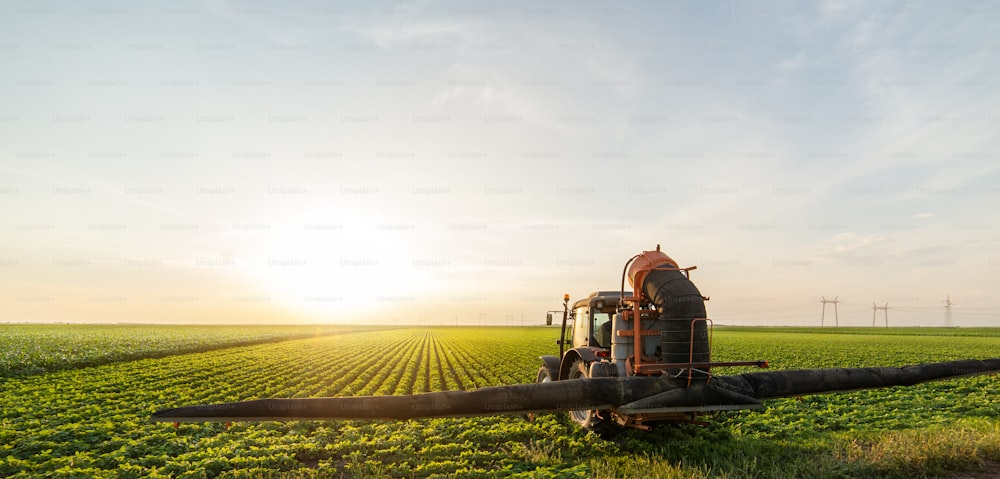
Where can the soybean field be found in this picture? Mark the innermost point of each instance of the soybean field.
(63, 416)
(31, 349)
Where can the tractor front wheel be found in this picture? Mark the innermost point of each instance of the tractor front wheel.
(591, 419)
(543, 375)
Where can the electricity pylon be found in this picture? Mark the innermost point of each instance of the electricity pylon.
(948, 323)
(836, 316)
(885, 311)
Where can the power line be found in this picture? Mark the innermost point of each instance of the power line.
(854, 309)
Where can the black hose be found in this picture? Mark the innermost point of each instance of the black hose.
(776, 384)
(679, 302)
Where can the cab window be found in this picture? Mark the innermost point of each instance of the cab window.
(581, 327)
(601, 329)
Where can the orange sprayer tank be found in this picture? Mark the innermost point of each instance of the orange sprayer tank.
(646, 262)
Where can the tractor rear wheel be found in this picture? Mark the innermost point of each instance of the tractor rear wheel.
(591, 419)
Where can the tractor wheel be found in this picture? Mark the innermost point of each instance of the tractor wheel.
(543, 375)
(591, 419)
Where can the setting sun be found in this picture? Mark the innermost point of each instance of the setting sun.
(334, 268)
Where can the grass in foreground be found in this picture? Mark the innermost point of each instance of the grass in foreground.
(967, 445)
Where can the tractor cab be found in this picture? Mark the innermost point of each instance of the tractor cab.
(590, 320)
(586, 337)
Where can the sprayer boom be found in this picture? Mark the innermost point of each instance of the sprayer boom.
(625, 395)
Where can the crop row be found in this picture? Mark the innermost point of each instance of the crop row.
(93, 422)
(39, 348)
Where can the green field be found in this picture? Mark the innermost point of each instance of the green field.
(31, 349)
(84, 420)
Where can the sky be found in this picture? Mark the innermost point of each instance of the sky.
(469, 163)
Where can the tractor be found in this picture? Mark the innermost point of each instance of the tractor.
(672, 336)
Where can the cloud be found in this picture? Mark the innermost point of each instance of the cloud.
(853, 242)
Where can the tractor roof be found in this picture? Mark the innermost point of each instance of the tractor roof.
(598, 294)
